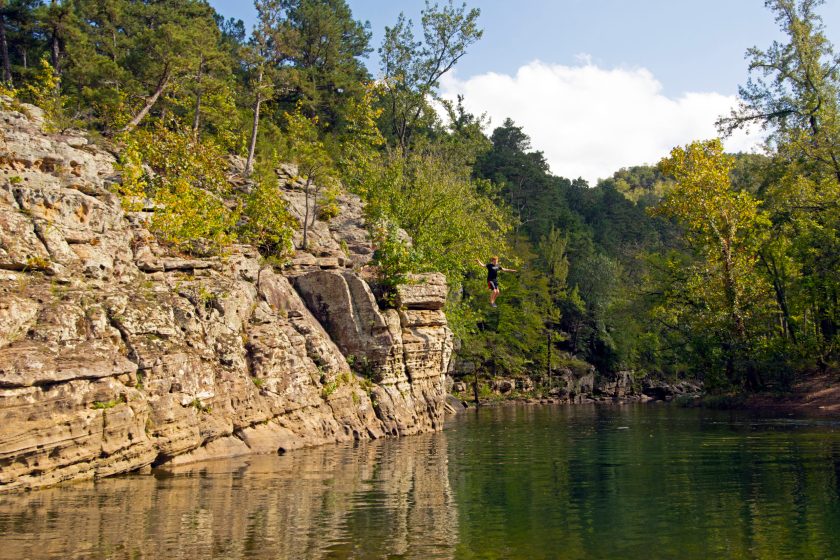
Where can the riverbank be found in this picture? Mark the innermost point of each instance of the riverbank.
(816, 394)
(457, 403)
(574, 391)
(812, 395)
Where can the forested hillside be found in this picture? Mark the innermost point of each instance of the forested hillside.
(709, 265)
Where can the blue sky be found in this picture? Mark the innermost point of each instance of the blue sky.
(599, 84)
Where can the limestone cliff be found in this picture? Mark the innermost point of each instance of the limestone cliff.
(116, 355)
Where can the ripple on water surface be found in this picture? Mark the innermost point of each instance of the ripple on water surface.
(513, 482)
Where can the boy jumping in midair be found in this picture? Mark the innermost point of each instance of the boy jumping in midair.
(493, 270)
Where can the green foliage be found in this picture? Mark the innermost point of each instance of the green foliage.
(43, 90)
(361, 366)
(721, 299)
(129, 58)
(37, 263)
(315, 165)
(794, 93)
(643, 185)
(440, 207)
(394, 257)
(200, 406)
(267, 223)
(105, 405)
(412, 69)
(330, 387)
(357, 154)
(185, 180)
(328, 209)
(325, 45)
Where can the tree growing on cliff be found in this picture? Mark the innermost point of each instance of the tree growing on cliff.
(315, 166)
(326, 68)
(119, 59)
(186, 181)
(266, 222)
(265, 57)
(171, 40)
(412, 69)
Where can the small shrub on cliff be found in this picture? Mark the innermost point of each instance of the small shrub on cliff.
(329, 388)
(200, 406)
(316, 167)
(266, 222)
(327, 209)
(185, 180)
(44, 90)
(395, 259)
(105, 405)
(363, 367)
(37, 263)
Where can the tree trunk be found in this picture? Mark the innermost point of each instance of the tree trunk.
(787, 323)
(4, 47)
(306, 213)
(55, 53)
(255, 127)
(737, 347)
(815, 134)
(475, 389)
(150, 101)
(55, 49)
(315, 204)
(197, 117)
(730, 286)
(548, 357)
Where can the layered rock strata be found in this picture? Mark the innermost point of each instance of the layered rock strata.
(116, 355)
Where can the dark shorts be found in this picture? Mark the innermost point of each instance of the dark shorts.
(492, 284)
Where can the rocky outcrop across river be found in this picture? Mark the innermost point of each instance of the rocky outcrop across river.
(116, 354)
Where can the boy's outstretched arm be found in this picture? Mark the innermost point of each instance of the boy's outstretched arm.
(479, 262)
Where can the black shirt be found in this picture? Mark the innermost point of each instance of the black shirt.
(492, 271)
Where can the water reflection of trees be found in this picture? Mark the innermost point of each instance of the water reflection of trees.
(644, 482)
(376, 499)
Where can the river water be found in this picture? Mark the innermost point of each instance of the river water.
(564, 482)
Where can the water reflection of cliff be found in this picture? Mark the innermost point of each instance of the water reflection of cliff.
(376, 499)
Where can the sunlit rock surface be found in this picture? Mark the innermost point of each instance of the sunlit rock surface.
(116, 355)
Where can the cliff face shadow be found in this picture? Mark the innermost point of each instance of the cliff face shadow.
(386, 498)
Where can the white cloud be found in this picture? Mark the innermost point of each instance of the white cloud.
(591, 121)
